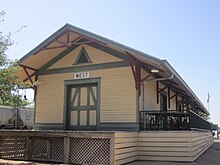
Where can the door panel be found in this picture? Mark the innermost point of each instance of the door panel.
(73, 117)
(83, 98)
(83, 117)
(92, 115)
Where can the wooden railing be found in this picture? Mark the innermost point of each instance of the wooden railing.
(57, 146)
(172, 120)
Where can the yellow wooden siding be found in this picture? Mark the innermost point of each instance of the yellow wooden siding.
(118, 96)
(150, 94)
(50, 98)
(36, 61)
(96, 56)
(150, 97)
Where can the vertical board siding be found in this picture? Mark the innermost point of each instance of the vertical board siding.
(117, 97)
(126, 147)
(94, 54)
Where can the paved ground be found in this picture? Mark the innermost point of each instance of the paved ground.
(210, 157)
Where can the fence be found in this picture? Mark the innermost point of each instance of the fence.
(67, 147)
(172, 120)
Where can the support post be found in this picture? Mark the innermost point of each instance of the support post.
(138, 76)
(169, 97)
(176, 100)
(157, 92)
(136, 70)
(137, 107)
(112, 150)
(66, 149)
(27, 152)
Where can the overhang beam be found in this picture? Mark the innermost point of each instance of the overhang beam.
(29, 76)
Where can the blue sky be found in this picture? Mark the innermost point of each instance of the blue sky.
(184, 32)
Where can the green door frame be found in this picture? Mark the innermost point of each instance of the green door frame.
(67, 84)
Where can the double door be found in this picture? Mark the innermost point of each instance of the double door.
(82, 106)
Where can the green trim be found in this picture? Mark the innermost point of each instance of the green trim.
(58, 57)
(95, 45)
(35, 100)
(78, 114)
(119, 126)
(66, 115)
(137, 107)
(101, 127)
(80, 128)
(48, 126)
(84, 68)
(82, 81)
(81, 53)
(89, 90)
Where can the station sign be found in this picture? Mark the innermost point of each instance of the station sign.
(81, 75)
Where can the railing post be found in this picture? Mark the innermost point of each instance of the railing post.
(112, 150)
(190, 124)
(66, 149)
(27, 148)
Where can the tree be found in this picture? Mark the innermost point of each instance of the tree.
(5, 42)
(9, 80)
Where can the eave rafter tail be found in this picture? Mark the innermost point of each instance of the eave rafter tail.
(29, 76)
(136, 70)
(81, 39)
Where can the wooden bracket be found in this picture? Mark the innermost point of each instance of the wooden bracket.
(29, 76)
(136, 70)
(68, 42)
(136, 66)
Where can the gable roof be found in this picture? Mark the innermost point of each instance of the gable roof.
(68, 34)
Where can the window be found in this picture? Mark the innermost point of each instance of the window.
(82, 57)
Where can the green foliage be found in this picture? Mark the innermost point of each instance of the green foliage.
(9, 84)
(5, 42)
(9, 80)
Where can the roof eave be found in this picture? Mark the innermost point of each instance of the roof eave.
(42, 44)
(108, 41)
(171, 70)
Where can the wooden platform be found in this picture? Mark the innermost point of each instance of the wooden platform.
(113, 148)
